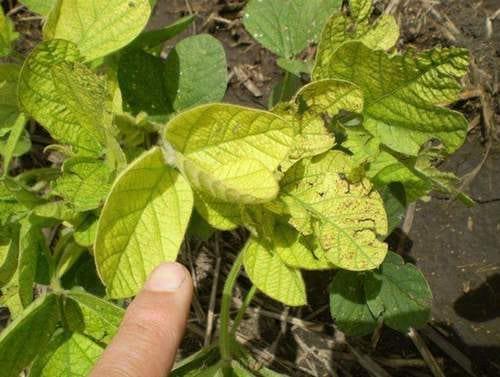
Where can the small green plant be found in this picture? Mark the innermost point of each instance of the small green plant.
(319, 180)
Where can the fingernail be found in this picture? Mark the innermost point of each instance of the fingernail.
(168, 277)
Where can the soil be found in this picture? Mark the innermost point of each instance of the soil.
(457, 248)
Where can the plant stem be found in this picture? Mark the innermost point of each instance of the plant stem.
(225, 341)
(243, 309)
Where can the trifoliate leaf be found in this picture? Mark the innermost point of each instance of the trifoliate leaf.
(294, 251)
(98, 27)
(271, 275)
(84, 184)
(92, 316)
(9, 110)
(348, 304)
(400, 292)
(286, 27)
(382, 34)
(346, 217)
(64, 96)
(402, 94)
(196, 72)
(67, 354)
(28, 335)
(244, 181)
(42, 7)
(7, 34)
(142, 223)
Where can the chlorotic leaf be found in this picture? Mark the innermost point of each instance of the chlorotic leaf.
(348, 304)
(329, 97)
(84, 184)
(403, 293)
(64, 96)
(244, 181)
(286, 27)
(86, 230)
(271, 275)
(346, 217)
(360, 9)
(42, 7)
(221, 215)
(219, 134)
(382, 34)
(195, 72)
(92, 316)
(27, 335)
(402, 94)
(7, 34)
(98, 27)
(142, 223)
(294, 251)
(67, 355)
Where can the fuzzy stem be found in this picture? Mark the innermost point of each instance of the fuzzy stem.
(243, 309)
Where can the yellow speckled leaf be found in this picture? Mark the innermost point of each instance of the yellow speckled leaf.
(346, 217)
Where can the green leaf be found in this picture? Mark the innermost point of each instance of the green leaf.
(9, 250)
(64, 96)
(67, 355)
(13, 142)
(286, 27)
(142, 223)
(142, 79)
(271, 275)
(284, 90)
(212, 136)
(348, 304)
(85, 231)
(196, 72)
(42, 7)
(84, 184)
(28, 335)
(395, 204)
(154, 38)
(92, 316)
(98, 27)
(7, 34)
(346, 217)
(294, 66)
(403, 94)
(294, 251)
(400, 292)
(382, 34)
(9, 110)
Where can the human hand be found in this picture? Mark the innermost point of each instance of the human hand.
(152, 329)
